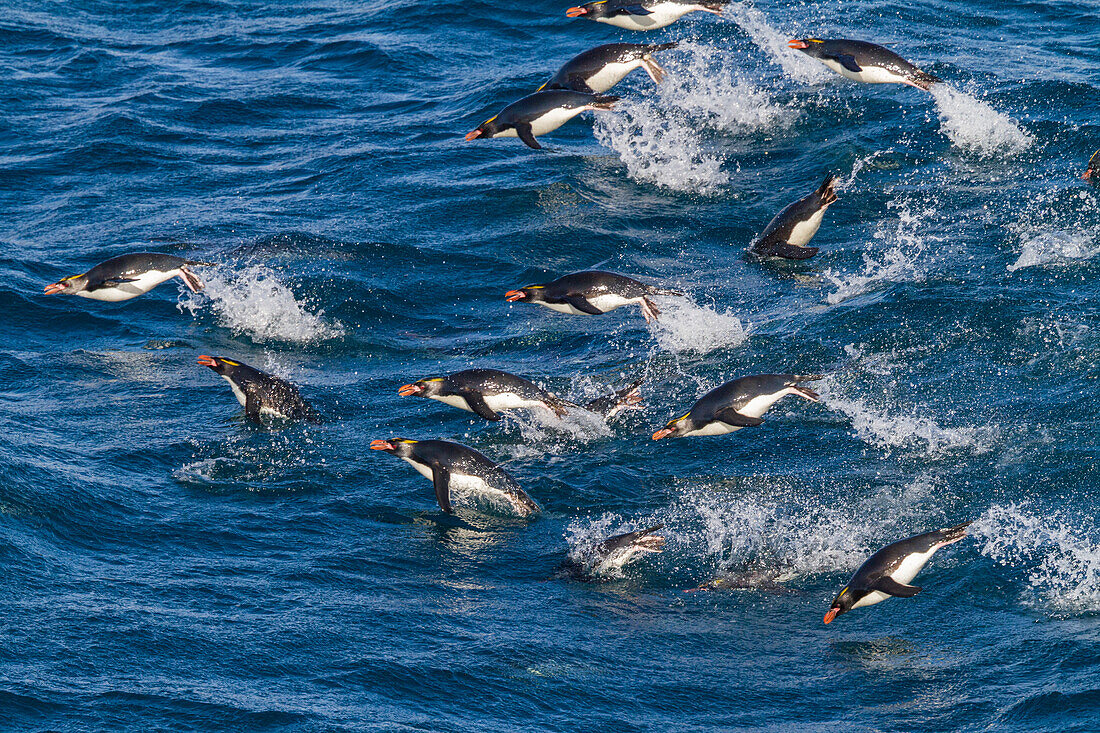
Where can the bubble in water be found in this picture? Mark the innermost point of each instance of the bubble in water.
(975, 126)
(1057, 247)
(685, 326)
(1061, 556)
(253, 301)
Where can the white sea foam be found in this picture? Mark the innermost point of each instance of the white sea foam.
(1059, 555)
(660, 139)
(975, 127)
(1055, 247)
(899, 262)
(253, 301)
(685, 326)
(795, 64)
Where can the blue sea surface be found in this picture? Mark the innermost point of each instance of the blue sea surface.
(170, 566)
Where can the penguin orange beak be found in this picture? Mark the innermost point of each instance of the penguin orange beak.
(663, 433)
(473, 134)
(795, 43)
(576, 12)
(513, 295)
(409, 390)
(381, 445)
(59, 287)
(208, 361)
(831, 615)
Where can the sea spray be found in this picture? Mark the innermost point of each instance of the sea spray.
(253, 301)
(685, 326)
(1058, 555)
(1054, 247)
(975, 127)
(796, 65)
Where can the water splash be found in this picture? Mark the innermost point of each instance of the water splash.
(253, 301)
(975, 127)
(1060, 556)
(796, 65)
(899, 262)
(685, 326)
(1057, 247)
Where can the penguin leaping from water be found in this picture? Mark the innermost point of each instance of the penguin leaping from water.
(792, 228)
(889, 571)
(591, 293)
(488, 392)
(600, 68)
(613, 554)
(128, 276)
(865, 62)
(455, 468)
(643, 15)
(261, 394)
(737, 404)
(540, 113)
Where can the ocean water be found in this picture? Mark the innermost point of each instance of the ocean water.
(170, 566)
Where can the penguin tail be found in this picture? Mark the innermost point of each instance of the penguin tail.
(807, 378)
(952, 535)
(655, 47)
(191, 279)
(666, 291)
(924, 80)
(826, 191)
(201, 263)
(715, 6)
(604, 101)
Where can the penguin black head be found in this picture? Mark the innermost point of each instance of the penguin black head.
(488, 128)
(842, 604)
(1093, 171)
(219, 365)
(422, 388)
(400, 447)
(676, 428)
(809, 46)
(529, 293)
(592, 11)
(70, 285)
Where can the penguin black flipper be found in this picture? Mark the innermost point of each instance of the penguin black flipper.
(251, 404)
(891, 587)
(441, 480)
(478, 404)
(789, 251)
(731, 416)
(581, 303)
(114, 282)
(527, 135)
(848, 61)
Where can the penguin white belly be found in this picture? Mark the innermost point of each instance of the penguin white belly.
(453, 400)
(237, 391)
(611, 75)
(659, 16)
(875, 596)
(715, 428)
(804, 231)
(605, 303)
(510, 401)
(422, 469)
(912, 565)
(868, 75)
(553, 119)
(760, 404)
(139, 285)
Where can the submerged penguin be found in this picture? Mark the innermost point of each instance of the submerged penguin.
(128, 276)
(540, 113)
(261, 394)
(737, 404)
(591, 293)
(455, 468)
(487, 392)
(1092, 173)
(865, 62)
(600, 68)
(889, 571)
(792, 228)
(613, 554)
(643, 15)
